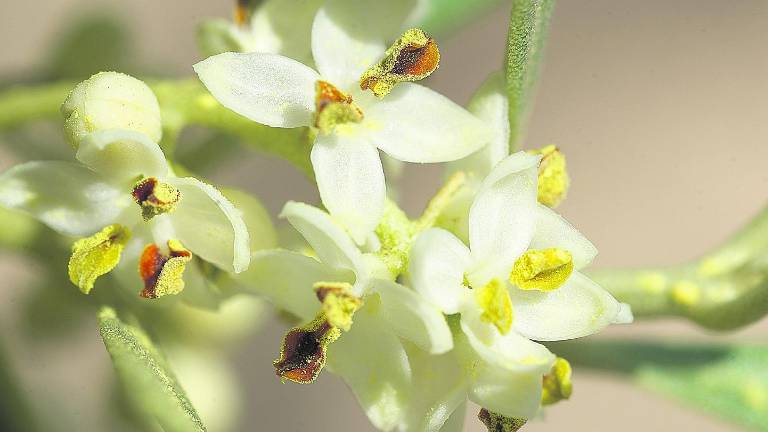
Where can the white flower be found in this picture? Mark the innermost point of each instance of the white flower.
(512, 237)
(370, 356)
(412, 124)
(101, 190)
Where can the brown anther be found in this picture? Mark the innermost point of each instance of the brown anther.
(162, 273)
(244, 10)
(304, 350)
(414, 56)
(499, 423)
(155, 197)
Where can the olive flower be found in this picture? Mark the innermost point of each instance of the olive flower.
(121, 187)
(517, 281)
(346, 289)
(409, 122)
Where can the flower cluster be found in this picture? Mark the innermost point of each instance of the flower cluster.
(417, 316)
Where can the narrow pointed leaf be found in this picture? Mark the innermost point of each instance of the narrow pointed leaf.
(729, 381)
(149, 382)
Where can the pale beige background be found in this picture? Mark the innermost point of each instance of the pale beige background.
(660, 105)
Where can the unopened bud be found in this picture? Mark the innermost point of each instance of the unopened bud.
(111, 100)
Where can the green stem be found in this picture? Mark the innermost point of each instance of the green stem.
(528, 26)
(183, 102)
(725, 289)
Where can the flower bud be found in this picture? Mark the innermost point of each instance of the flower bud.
(111, 100)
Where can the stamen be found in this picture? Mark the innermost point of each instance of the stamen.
(414, 56)
(494, 300)
(553, 176)
(243, 11)
(338, 304)
(155, 197)
(543, 270)
(557, 384)
(96, 255)
(304, 350)
(499, 423)
(162, 274)
(333, 107)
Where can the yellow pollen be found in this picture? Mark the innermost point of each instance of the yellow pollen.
(553, 176)
(96, 255)
(557, 383)
(543, 270)
(339, 305)
(494, 300)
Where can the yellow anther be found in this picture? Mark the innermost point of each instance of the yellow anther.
(414, 56)
(96, 255)
(333, 108)
(557, 383)
(162, 274)
(155, 197)
(339, 305)
(494, 300)
(553, 176)
(543, 270)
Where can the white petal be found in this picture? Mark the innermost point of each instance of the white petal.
(285, 278)
(267, 88)
(510, 351)
(350, 179)
(416, 124)
(209, 225)
(552, 230)
(502, 218)
(122, 154)
(439, 390)
(578, 308)
(282, 27)
(510, 393)
(491, 106)
(374, 365)
(331, 244)
(625, 315)
(437, 264)
(411, 317)
(348, 37)
(341, 48)
(67, 197)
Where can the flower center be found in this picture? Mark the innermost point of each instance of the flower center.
(155, 197)
(557, 384)
(338, 304)
(333, 108)
(494, 300)
(162, 274)
(543, 270)
(413, 56)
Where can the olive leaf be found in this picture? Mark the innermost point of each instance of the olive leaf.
(143, 372)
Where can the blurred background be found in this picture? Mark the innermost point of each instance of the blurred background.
(660, 106)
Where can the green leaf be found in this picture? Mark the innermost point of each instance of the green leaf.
(149, 383)
(525, 43)
(730, 381)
